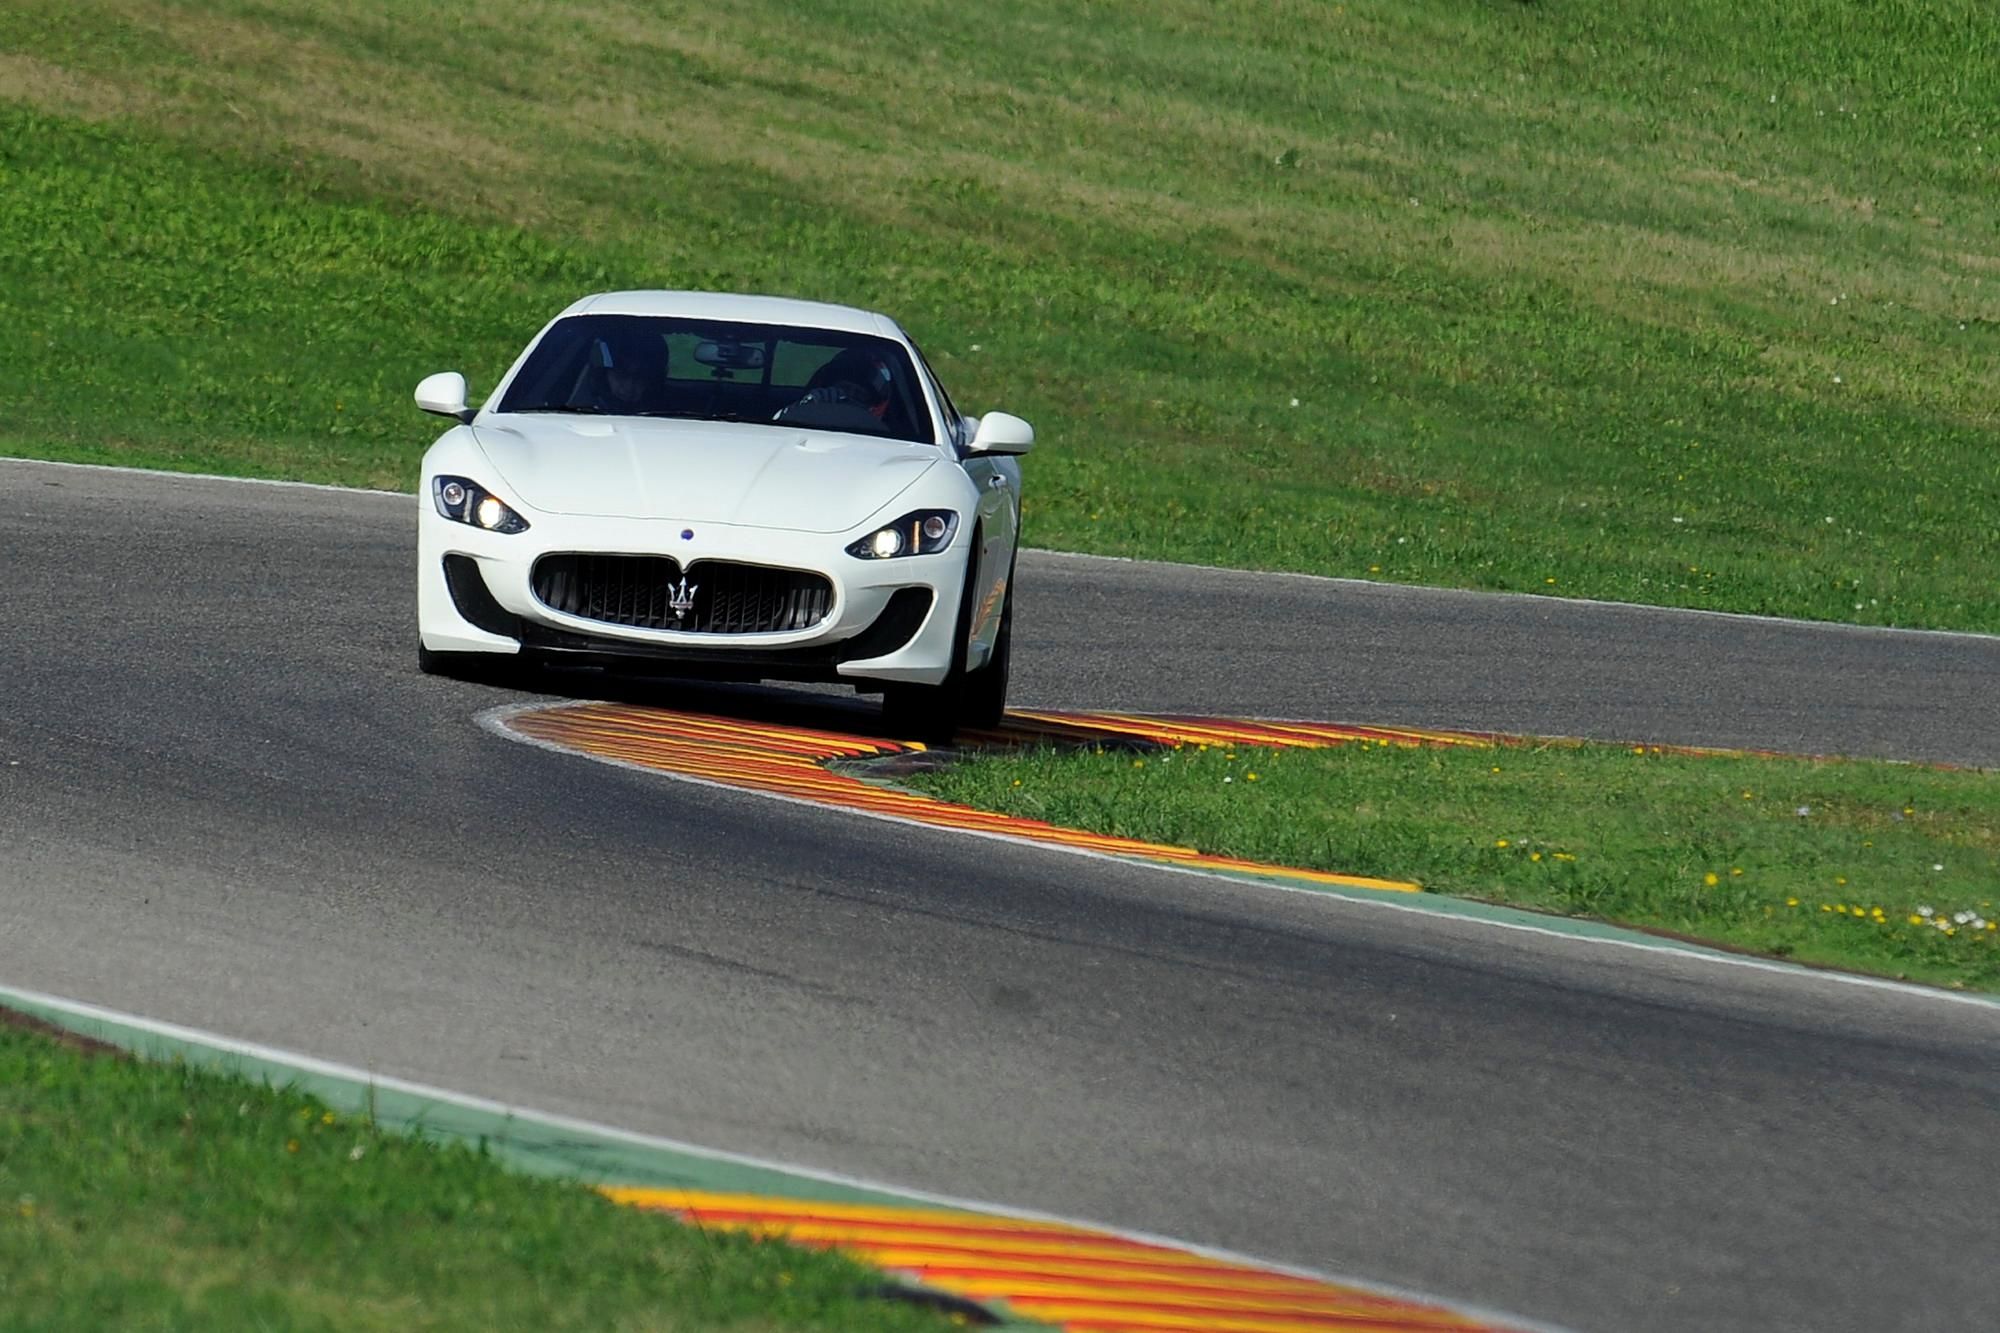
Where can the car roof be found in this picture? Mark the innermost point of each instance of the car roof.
(741, 308)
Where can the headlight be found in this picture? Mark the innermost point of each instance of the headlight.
(464, 501)
(925, 532)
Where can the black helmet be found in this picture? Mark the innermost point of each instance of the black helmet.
(866, 369)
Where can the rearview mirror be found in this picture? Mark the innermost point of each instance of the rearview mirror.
(730, 355)
(444, 395)
(1002, 433)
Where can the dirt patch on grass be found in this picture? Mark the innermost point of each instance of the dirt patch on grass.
(75, 1041)
(52, 88)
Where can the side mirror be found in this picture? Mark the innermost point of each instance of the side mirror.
(444, 394)
(1002, 433)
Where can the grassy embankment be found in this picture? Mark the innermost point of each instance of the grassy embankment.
(160, 1196)
(1869, 866)
(1674, 301)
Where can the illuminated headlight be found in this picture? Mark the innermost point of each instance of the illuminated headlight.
(464, 501)
(925, 532)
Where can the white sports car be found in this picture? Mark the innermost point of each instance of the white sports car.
(740, 487)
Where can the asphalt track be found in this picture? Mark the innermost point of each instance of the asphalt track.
(228, 800)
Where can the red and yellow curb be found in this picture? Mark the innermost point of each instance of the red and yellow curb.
(1076, 1278)
(791, 761)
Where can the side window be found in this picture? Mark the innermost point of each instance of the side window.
(954, 422)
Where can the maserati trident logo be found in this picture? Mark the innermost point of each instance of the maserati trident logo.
(680, 598)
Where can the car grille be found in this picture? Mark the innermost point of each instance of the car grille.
(712, 596)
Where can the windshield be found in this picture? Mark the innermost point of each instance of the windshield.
(711, 370)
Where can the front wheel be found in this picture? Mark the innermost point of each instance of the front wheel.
(984, 700)
(935, 713)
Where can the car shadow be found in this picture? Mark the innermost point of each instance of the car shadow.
(822, 708)
(830, 708)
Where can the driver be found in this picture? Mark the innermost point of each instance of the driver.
(856, 377)
(631, 372)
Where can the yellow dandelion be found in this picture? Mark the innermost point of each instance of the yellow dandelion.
(1548, 580)
(1840, 908)
(1915, 920)
(1840, 879)
(1736, 870)
(1534, 856)
(1638, 749)
(1138, 763)
(1791, 902)
(1709, 879)
(1496, 768)
(1251, 776)
(1499, 842)
(291, 1145)
(1824, 908)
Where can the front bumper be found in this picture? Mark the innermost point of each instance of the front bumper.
(891, 621)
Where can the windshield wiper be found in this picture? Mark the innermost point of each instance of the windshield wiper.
(579, 409)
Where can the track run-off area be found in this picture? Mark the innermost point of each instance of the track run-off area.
(228, 801)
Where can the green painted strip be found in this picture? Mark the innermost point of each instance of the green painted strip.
(1516, 918)
(536, 1144)
(882, 773)
(541, 1146)
(592, 1154)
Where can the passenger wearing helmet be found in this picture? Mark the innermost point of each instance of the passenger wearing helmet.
(628, 373)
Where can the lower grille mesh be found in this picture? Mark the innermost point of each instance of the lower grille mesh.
(708, 597)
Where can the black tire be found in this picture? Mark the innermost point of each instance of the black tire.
(930, 713)
(984, 701)
(934, 714)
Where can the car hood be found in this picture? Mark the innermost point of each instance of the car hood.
(699, 471)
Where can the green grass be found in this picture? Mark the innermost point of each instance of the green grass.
(1860, 865)
(1674, 301)
(158, 1196)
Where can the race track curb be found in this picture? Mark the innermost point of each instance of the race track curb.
(1028, 1270)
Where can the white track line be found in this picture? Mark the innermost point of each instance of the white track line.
(495, 721)
(571, 1124)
